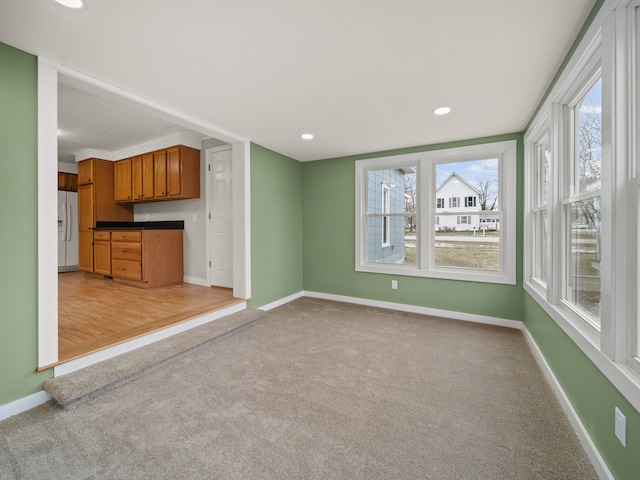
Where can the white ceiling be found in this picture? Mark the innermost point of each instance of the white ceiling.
(89, 119)
(361, 75)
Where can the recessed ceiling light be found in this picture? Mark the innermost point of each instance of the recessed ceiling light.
(71, 3)
(442, 110)
(306, 136)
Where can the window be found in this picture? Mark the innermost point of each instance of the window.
(417, 185)
(582, 206)
(564, 229)
(582, 198)
(391, 224)
(470, 179)
(540, 215)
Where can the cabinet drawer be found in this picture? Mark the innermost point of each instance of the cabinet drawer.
(126, 251)
(101, 236)
(126, 269)
(126, 236)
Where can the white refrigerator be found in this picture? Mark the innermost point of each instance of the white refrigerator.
(67, 231)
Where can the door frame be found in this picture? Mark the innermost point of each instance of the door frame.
(48, 77)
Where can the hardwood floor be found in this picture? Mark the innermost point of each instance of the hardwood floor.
(95, 313)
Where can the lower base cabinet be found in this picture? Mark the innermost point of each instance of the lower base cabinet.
(102, 253)
(146, 258)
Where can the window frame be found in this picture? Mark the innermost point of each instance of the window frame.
(386, 211)
(505, 151)
(539, 259)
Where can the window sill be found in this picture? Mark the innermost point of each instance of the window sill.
(622, 375)
(448, 274)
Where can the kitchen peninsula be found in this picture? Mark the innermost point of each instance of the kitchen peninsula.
(142, 254)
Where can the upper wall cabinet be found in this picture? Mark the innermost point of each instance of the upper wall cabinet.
(67, 182)
(85, 172)
(122, 180)
(169, 174)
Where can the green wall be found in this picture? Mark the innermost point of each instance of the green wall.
(276, 226)
(19, 213)
(329, 246)
(592, 395)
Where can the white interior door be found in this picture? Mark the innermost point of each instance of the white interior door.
(220, 175)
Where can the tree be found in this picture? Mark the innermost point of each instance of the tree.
(589, 171)
(488, 189)
(410, 200)
(589, 165)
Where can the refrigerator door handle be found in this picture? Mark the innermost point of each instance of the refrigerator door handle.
(63, 223)
(68, 233)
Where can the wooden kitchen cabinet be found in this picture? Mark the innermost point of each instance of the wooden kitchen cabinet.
(102, 252)
(182, 173)
(142, 177)
(85, 171)
(85, 250)
(96, 203)
(160, 174)
(86, 223)
(122, 180)
(168, 174)
(147, 258)
(67, 182)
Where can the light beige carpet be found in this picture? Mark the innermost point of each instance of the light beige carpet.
(316, 390)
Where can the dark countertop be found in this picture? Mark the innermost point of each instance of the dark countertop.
(164, 225)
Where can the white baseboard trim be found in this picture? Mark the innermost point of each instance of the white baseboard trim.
(589, 447)
(125, 347)
(196, 281)
(282, 301)
(23, 404)
(402, 307)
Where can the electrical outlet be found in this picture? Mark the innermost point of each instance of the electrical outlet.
(194, 217)
(621, 427)
(394, 284)
(148, 217)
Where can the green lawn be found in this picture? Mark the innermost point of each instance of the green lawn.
(462, 254)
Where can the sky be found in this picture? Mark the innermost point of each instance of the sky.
(471, 171)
